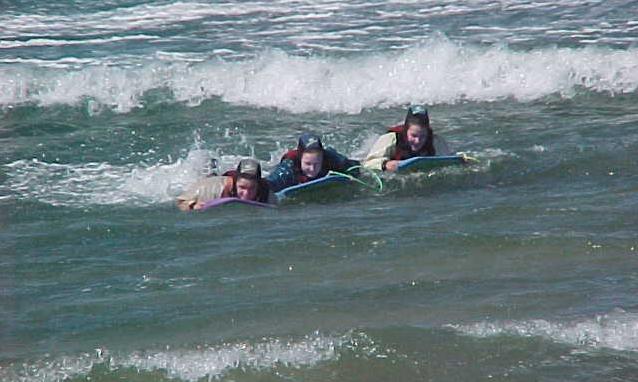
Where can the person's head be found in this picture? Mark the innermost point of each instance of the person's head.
(417, 127)
(248, 175)
(309, 141)
(310, 154)
(311, 162)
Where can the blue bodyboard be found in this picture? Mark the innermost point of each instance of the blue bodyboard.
(429, 163)
(312, 187)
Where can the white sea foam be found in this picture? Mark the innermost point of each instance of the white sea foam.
(189, 364)
(85, 184)
(37, 42)
(49, 370)
(539, 148)
(211, 362)
(616, 330)
(439, 71)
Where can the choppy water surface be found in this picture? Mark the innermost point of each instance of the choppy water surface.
(521, 267)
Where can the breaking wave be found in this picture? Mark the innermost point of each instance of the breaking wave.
(617, 330)
(436, 72)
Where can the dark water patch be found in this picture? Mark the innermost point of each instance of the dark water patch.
(153, 100)
(42, 129)
(32, 120)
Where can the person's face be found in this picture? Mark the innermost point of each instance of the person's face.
(416, 136)
(311, 163)
(246, 189)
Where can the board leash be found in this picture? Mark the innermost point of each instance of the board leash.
(378, 187)
(467, 158)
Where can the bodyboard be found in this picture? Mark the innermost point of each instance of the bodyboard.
(228, 201)
(313, 187)
(429, 163)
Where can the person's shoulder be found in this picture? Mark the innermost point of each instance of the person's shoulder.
(282, 176)
(210, 186)
(331, 151)
(395, 129)
(212, 180)
(203, 189)
(290, 155)
(389, 137)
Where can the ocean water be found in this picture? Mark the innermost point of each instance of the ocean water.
(521, 267)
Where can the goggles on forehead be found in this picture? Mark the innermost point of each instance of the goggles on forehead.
(309, 141)
(249, 168)
(417, 110)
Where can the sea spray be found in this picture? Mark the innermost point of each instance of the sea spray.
(436, 72)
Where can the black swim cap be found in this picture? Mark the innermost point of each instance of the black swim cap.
(309, 141)
(249, 168)
(418, 115)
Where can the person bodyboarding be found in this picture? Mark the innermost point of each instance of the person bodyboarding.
(413, 138)
(244, 183)
(309, 161)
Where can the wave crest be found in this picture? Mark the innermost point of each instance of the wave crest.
(436, 72)
(617, 330)
(187, 364)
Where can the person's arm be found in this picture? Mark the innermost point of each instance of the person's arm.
(380, 155)
(441, 147)
(339, 162)
(201, 192)
(282, 176)
(185, 204)
(186, 200)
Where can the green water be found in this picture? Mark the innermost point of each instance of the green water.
(519, 267)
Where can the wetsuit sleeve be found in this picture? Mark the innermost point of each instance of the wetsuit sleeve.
(441, 147)
(382, 150)
(339, 162)
(201, 191)
(282, 176)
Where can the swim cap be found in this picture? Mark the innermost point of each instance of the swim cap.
(249, 168)
(309, 141)
(417, 114)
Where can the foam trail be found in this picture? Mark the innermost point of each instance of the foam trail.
(185, 364)
(192, 365)
(617, 330)
(437, 72)
(49, 370)
(85, 184)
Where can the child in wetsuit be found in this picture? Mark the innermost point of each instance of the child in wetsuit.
(309, 161)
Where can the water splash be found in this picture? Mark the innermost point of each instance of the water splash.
(617, 330)
(439, 71)
(191, 365)
(85, 184)
(188, 364)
